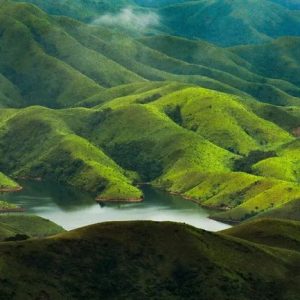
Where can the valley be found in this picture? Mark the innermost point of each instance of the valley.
(150, 149)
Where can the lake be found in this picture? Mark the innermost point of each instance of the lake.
(72, 209)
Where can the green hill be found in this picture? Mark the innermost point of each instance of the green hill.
(146, 118)
(289, 211)
(272, 232)
(49, 147)
(231, 22)
(63, 63)
(7, 184)
(85, 10)
(202, 144)
(15, 226)
(221, 22)
(147, 260)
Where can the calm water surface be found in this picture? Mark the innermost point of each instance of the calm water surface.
(72, 209)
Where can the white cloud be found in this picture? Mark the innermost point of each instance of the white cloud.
(130, 19)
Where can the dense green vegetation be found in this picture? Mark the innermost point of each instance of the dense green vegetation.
(62, 62)
(105, 95)
(224, 22)
(145, 118)
(227, 22)
(23, 226)
(212, 147)
(176, 262)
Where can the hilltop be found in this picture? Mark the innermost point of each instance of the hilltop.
(15, 227)
(147, 260)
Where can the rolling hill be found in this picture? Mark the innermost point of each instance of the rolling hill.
(199, 98)
(133, 112)
(147, 260)
(7, 184)
(200, 143)
(230, 23)
(18, 227)
(226, 23)
(272, 232)
(63, 63)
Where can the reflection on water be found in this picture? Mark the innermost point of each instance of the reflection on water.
(72, 209)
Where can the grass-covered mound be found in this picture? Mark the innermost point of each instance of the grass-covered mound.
(7, 184)
(272, 232)
(14, 227)
(147, 260)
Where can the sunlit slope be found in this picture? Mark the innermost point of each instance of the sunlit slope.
(67, 146)
(226, 121)
(285, 166)
(147, 260)
(223, 119)
(7, 184)
(49, 148)
(289, 211)
(203, 144)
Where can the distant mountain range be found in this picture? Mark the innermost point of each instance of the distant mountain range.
(103, 109)
(223, 22)
(197, 98)
(86, 59)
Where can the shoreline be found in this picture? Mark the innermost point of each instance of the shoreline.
(12, 210)
(219, 208)
(119, 200)
(11, 190)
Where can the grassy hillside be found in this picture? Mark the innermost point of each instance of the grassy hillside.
(61, 62)
(145, 118)
(12, 226)
(208, 146)
(250, 70)
(289, 211)
(49, 148)
(272, 232)
(147, 260)
(282, 52)
(221, 22)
